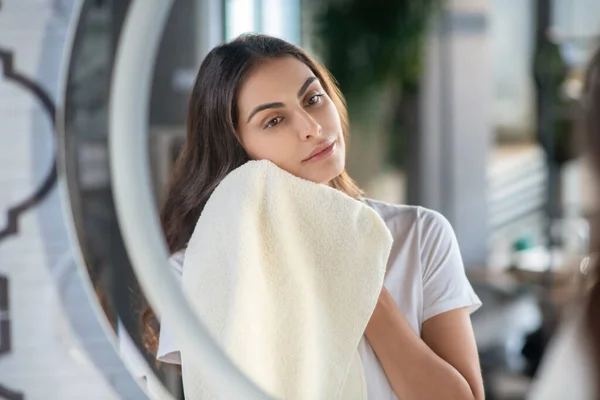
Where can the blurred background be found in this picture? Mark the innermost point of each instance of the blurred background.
(469, 107)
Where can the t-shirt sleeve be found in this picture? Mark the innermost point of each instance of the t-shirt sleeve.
(445, 284)
(168, 350)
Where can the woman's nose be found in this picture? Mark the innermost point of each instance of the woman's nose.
(307, 127)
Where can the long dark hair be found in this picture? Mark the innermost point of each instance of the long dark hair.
(591, 105)
(213, 148)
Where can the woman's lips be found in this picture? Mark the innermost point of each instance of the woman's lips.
(321, 154)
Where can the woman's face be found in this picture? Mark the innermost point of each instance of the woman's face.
(286, 117)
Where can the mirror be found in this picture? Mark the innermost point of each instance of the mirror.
(455, 127)
(511, 198)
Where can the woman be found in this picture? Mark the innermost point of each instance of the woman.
(259, 97)
(572, 367)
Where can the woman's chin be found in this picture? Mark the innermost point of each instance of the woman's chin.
(328, 174)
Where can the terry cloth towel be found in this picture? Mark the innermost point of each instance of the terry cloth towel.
(285, 274)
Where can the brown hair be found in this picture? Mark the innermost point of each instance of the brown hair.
(213, 149)
(591, 106)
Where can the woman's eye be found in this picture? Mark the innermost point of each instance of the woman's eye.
(315, 99)
(273, 122)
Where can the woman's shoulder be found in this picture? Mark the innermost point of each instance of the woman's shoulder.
(409, 217)
(389, 211)
(566, 371)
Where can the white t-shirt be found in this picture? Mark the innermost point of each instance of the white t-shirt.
(425, 276)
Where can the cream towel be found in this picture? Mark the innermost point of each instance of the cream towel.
(285, 273)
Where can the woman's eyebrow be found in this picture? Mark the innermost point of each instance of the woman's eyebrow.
(263, 107)
(305, 85)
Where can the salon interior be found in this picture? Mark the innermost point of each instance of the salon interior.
(478, 120)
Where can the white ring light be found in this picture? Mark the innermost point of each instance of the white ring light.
(130, 174)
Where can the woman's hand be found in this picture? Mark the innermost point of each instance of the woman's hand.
(442, 365)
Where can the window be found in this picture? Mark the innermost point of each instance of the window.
(280, 18)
